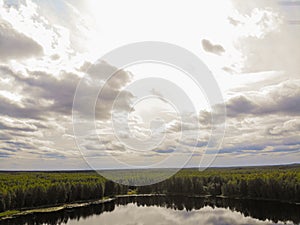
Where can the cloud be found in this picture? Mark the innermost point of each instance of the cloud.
(158, 95)
(38, 124)
(240, 105)
(43, 94)
(286, 128)
(9, 108)
(17, 126)
(233, 21)
(276, 99)
(163, 151)
(67, 14)
(242, 147)
(4, 154)
(229, 70)
(109, 91)
(15, 45)
(36, 96)
(246, 8)
(276, 51)
(269, 42)
(254, 135)
(260, 122)
(32, 20)
(209, 47)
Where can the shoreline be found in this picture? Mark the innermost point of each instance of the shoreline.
(44, 209)
(54, 208)
(10, 214)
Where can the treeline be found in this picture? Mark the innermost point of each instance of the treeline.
(33, 189)
(253, 183)
(27, 190)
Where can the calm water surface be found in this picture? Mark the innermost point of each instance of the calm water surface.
(169, 211)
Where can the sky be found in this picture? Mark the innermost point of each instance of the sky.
(48, 48)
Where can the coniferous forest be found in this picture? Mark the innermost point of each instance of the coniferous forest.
(19, 190)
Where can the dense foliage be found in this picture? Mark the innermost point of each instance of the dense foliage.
(32, 189)
(278, 183)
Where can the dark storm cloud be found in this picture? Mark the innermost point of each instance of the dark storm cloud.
(14, 45)
(209, 47)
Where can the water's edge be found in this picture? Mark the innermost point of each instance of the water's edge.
(55, 208)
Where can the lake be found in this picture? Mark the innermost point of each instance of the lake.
(166, 210)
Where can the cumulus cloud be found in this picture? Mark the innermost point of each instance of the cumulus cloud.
(105, 83)
(261, 135)
(268, 42)
(43, 94)
(15, 45)
(287, 127)
(276, 51)
(39, 124)
(261, 122)
(36, 96)
(212, 48)
(276, 99)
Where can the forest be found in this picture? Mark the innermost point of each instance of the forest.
(19, 190)
(274, 183)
